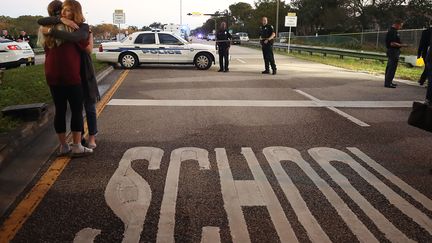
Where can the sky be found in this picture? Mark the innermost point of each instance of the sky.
(138, 13)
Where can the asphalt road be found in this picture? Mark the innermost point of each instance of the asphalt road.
(313, 154)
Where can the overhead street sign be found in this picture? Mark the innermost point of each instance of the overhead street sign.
(290, 21)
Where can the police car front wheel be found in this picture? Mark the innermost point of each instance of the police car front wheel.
(203, 61)
(128, 60)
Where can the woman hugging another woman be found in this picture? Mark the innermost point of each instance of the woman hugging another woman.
(67, 48)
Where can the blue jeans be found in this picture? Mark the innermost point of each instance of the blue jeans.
(90, 109)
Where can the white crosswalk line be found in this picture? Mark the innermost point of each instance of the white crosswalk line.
(426, 202)
(305, 217)
(260, 103)
(323, 156)
(334, 109)
(210, 235)
(275, 155)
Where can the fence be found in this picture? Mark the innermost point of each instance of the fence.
(367, 40)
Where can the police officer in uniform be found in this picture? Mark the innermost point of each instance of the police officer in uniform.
(23, 37)
(428, 70)
(5, 35)
(223, 43)
(267, 35)
(393, 44)
(423, 50)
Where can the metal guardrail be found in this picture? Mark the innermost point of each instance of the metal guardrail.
(330, 51)
(38, 50)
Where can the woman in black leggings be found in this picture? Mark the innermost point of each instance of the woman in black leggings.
(62, 71)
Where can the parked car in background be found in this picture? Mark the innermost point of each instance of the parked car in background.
(236, 39)
(211, 37)
(13, 54)
(283, 36)
(243, 36)
(240, 37)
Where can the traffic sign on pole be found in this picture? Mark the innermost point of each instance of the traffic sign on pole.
(290, 21)
(119, 17)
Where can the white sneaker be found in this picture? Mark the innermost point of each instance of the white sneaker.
(92, 146)
(64, 150)
(79, 151)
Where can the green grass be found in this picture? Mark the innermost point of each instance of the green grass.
(369, 66)
(26, 85)
(98, 65)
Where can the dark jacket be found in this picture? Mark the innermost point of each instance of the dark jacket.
(223, 38)
(425, 42)
(88, 79)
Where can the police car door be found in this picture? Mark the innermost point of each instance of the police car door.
(146, 48)
(172, 50)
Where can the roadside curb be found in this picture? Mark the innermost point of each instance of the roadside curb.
(21, 136)
(104, 73)
(11, 142)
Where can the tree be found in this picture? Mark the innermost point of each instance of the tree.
(105, 31)
(156, 25)
(241, 12)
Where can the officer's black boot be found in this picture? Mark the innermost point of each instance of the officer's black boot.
(265, 72)
(274, 72)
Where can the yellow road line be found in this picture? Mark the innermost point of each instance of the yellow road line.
(26, 207)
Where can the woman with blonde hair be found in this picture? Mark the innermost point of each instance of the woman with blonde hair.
(62, 71)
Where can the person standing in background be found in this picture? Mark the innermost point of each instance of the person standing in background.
(428, 64)
(5, 35)
(393, 44)
(267, 36)
(23, 37)
(223, 43)
(423, 50)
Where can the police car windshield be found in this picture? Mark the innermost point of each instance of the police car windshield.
(123, 39)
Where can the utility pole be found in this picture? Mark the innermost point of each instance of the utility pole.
(277, 17)
(181, 19)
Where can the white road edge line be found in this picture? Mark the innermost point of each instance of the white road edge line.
(262, 103)
(215, 103)
(332, 108)
(240, 60)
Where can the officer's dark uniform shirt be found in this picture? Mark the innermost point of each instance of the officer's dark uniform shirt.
(223, 36)
(266, 32)
(24, 38)
(392, 36)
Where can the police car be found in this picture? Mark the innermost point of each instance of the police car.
(156, 47)
(13, 54)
